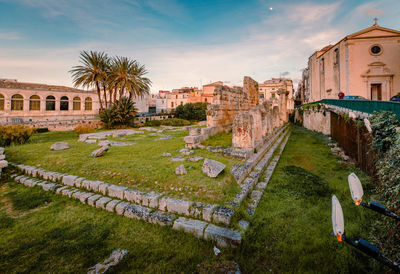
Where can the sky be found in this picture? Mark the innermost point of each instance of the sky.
(180, 42)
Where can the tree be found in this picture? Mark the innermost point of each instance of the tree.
(126, 78)
(92, 72)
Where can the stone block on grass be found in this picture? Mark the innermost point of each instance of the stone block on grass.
(102, 202)
(223, 215)
(120, 208)
(137, 212)
(196, 210)
(78, 182)
(92, 199)
(69, 180)
(150, 199)
(116, 191)
(84, 196)
(111, 205)
(192, 226)
(208, 211)
(224, 237)
(60, 189)
(161, 218)
(133, 195)
(176, 205)
(212, 168)
(49, 187)
(103, 188)
(261, 185)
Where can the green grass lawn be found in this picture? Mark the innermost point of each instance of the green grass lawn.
(140, 166)
(290, 231)
(222, 139)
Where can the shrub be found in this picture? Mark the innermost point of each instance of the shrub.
(82, 128)
(168, 122)
(196, 111)
(154, 123)
(15, 134)
(386, 140)
(121, 114)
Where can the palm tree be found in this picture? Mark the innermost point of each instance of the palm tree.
(92, 72)
(126, 76)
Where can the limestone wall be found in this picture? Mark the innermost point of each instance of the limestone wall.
(229, 102)
(317, 120)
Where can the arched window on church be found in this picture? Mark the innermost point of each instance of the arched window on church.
(88, 103)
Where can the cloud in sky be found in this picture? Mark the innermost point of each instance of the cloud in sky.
(373, 12)
(274, 42)
(9, 35)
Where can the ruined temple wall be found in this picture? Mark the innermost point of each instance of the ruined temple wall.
(229, 102)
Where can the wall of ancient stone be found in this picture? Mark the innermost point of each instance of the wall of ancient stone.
(229, 102)
(251, 127)
(317, 120)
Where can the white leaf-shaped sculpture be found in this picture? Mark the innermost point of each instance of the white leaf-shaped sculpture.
(337, 218)
(356, 188)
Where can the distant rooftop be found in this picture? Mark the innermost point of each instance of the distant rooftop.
(14, 84)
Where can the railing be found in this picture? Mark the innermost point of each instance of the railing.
(363, 106)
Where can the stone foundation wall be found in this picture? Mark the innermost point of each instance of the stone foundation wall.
(317, 120)
(229, 102)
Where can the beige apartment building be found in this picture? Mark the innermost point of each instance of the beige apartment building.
(269, 89)
(365, 63)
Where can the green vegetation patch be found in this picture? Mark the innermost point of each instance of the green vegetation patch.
(5, 220)
(222, 139)
(28, 198)
(304, 183)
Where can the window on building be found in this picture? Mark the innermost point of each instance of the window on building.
(272, 95)
(337, 56)
(34, 102)
(176, 96)
(172, 104)
(1, 102)
(262, 96)
(181, 103)
(17, 102)
(76, 103)
(376, 50)
(88, 103)
(205, 100)
(323, 65)
(50, 102)
(64, 103)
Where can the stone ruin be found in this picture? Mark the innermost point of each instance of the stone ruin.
(238, 109)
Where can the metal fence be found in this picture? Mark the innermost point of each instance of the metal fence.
(364, 106)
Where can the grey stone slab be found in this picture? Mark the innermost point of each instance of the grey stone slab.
(102, 202)
(212, 168)
(60, 189)
(91, 185)
(177, 159)
(243, 224)
(116, 191)
(208, 211)
(103, 188)
(151, 199)
(223, 215)
(83, 198)
(261, 185)
(161, 218)
(78, 182)
(223, 236)
(120, 208)
(92, 199)
(195, 227)
(69, 180)
(196, 210)
(256, 195)
(137, 212)
(111, 205)
(49, 187)
(133, 195)
(177, 206)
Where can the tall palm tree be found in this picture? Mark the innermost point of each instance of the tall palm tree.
(126, 76)
(92, 72)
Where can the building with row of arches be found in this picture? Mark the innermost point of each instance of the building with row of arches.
(30, 103)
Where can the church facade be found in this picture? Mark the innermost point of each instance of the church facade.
(365, 63)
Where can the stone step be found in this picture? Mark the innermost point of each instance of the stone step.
(256, 194)
(224, 237)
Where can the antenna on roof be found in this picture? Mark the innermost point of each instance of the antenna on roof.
(375, 21)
